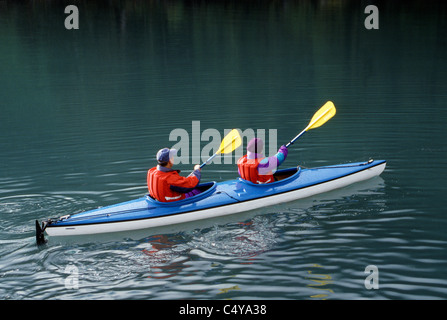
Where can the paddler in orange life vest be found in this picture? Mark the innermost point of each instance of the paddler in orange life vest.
(255, 167)
(165, 184)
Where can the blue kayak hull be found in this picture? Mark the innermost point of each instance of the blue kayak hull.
(216, 199)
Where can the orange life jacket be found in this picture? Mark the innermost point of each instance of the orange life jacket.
(248, 169)
(159, 182)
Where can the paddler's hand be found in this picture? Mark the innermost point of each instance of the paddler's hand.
(197, 167)
(283, 149)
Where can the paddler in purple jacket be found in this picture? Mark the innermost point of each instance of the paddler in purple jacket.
(257, 168)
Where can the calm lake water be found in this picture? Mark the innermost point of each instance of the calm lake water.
(83, 113)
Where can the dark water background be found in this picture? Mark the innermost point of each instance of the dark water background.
(84, 111)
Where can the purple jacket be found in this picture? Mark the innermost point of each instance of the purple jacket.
(269, 164)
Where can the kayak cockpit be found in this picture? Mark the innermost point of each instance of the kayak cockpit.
(281, 177)
(206, 189)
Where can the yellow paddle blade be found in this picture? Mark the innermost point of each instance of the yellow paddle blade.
(322, 116)
(231, 142)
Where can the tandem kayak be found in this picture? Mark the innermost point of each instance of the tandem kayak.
(216, 199)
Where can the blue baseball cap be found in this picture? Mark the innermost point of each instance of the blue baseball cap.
(165, 154)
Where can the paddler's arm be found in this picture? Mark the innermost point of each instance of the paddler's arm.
(270, 164)
(181, 184)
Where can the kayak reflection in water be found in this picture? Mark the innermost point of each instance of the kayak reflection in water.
(255, 167)
(165, 184)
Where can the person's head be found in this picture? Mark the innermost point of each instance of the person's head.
(256, 145)
(165, 157)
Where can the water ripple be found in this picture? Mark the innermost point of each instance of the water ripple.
(319, 252)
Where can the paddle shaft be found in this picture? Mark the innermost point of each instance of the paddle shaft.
(296, 138)
(208, 161)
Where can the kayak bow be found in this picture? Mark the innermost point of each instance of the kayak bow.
(216, 199)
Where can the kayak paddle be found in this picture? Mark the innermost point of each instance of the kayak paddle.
(320, 117)
(230, 142)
